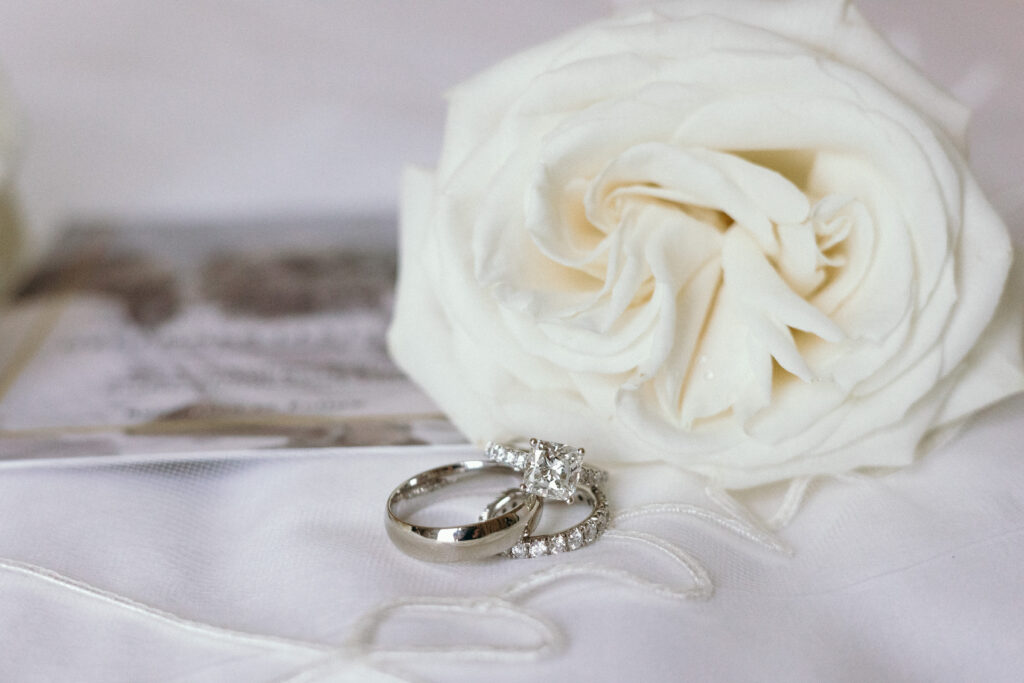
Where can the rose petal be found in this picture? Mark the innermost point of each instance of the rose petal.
(752, 195)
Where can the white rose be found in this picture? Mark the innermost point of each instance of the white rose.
(734, 235)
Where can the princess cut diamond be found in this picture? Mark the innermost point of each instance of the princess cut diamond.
(553, 470)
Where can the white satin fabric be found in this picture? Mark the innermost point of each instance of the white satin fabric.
(275, 566)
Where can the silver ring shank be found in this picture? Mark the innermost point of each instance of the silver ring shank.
(473, 541)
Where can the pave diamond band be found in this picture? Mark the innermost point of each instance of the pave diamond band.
(575, 537)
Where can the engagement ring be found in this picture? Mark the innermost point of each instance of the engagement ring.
(550, 469)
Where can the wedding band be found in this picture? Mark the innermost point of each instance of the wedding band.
(573, 538)
(491, 536)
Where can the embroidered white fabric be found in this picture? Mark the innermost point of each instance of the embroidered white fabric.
(275, 567)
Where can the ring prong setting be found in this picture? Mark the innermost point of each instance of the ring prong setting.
(553, 470)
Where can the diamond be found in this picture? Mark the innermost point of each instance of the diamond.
(538, 547)
(590, 530)
(553, 470)
(519, 550)
(558, 544)
(575, 539)
(519, 462)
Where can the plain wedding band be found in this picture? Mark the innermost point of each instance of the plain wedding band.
(475, 541)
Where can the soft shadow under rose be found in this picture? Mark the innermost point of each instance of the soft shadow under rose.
(737, 236)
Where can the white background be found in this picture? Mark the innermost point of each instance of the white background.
(196, 110)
